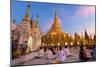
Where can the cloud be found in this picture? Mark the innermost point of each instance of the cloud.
(85, 11)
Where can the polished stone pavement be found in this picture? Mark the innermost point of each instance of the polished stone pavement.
(30, 60)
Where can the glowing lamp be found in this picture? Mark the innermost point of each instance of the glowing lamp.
(66, 43)
(71, 43)
(58, 43)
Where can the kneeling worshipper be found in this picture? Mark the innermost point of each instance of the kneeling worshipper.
(45, 53)
(50, 54)
(61, 55)
(41, 52)
(66, 51)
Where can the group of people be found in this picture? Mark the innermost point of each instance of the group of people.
(58, 53)
(83, 55)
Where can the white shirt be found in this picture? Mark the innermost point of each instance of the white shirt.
(66, 51)
(41, 53)
(50, 54)
(61, 56)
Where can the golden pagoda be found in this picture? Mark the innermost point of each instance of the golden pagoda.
(55, 36)
(55, 29)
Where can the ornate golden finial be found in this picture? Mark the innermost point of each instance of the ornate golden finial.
(26, 17)
(28, 10)
(32, 22)
(37, 20)
(37, 17)
(28, 5)
(55, 12)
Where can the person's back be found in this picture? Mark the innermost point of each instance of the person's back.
(41, 52)
(66, 51)
(82, 54)
(45, 53)
(60, 55)
(50, 54)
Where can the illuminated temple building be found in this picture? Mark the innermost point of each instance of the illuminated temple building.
(27, 31)
(55, 36)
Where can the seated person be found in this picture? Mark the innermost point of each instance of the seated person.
(41, 52)
(50, 54)
(45, 53)
(61, 55)
(66, 51)
(82, 54)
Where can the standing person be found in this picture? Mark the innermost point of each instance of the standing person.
(66, 51)
(25, 47)
(61, 55)
(15, 49)
(82, 54)
(15, 45)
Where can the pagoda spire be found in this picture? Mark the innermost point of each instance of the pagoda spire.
(26, 17)
(56, 22)
(37, 20)
(56, 25)
(13, 25)
(55, 28)
(32, 23)
(86, 35)
(55, 12)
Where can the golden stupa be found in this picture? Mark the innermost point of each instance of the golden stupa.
(55, 36)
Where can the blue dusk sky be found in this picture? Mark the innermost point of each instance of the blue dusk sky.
(72, 18)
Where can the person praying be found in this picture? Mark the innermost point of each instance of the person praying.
(61, 55)
(41, 52)
(66, 51)
(50, 54)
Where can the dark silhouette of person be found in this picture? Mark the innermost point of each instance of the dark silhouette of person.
(82, 54)
(93, 53)
(14, 49)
